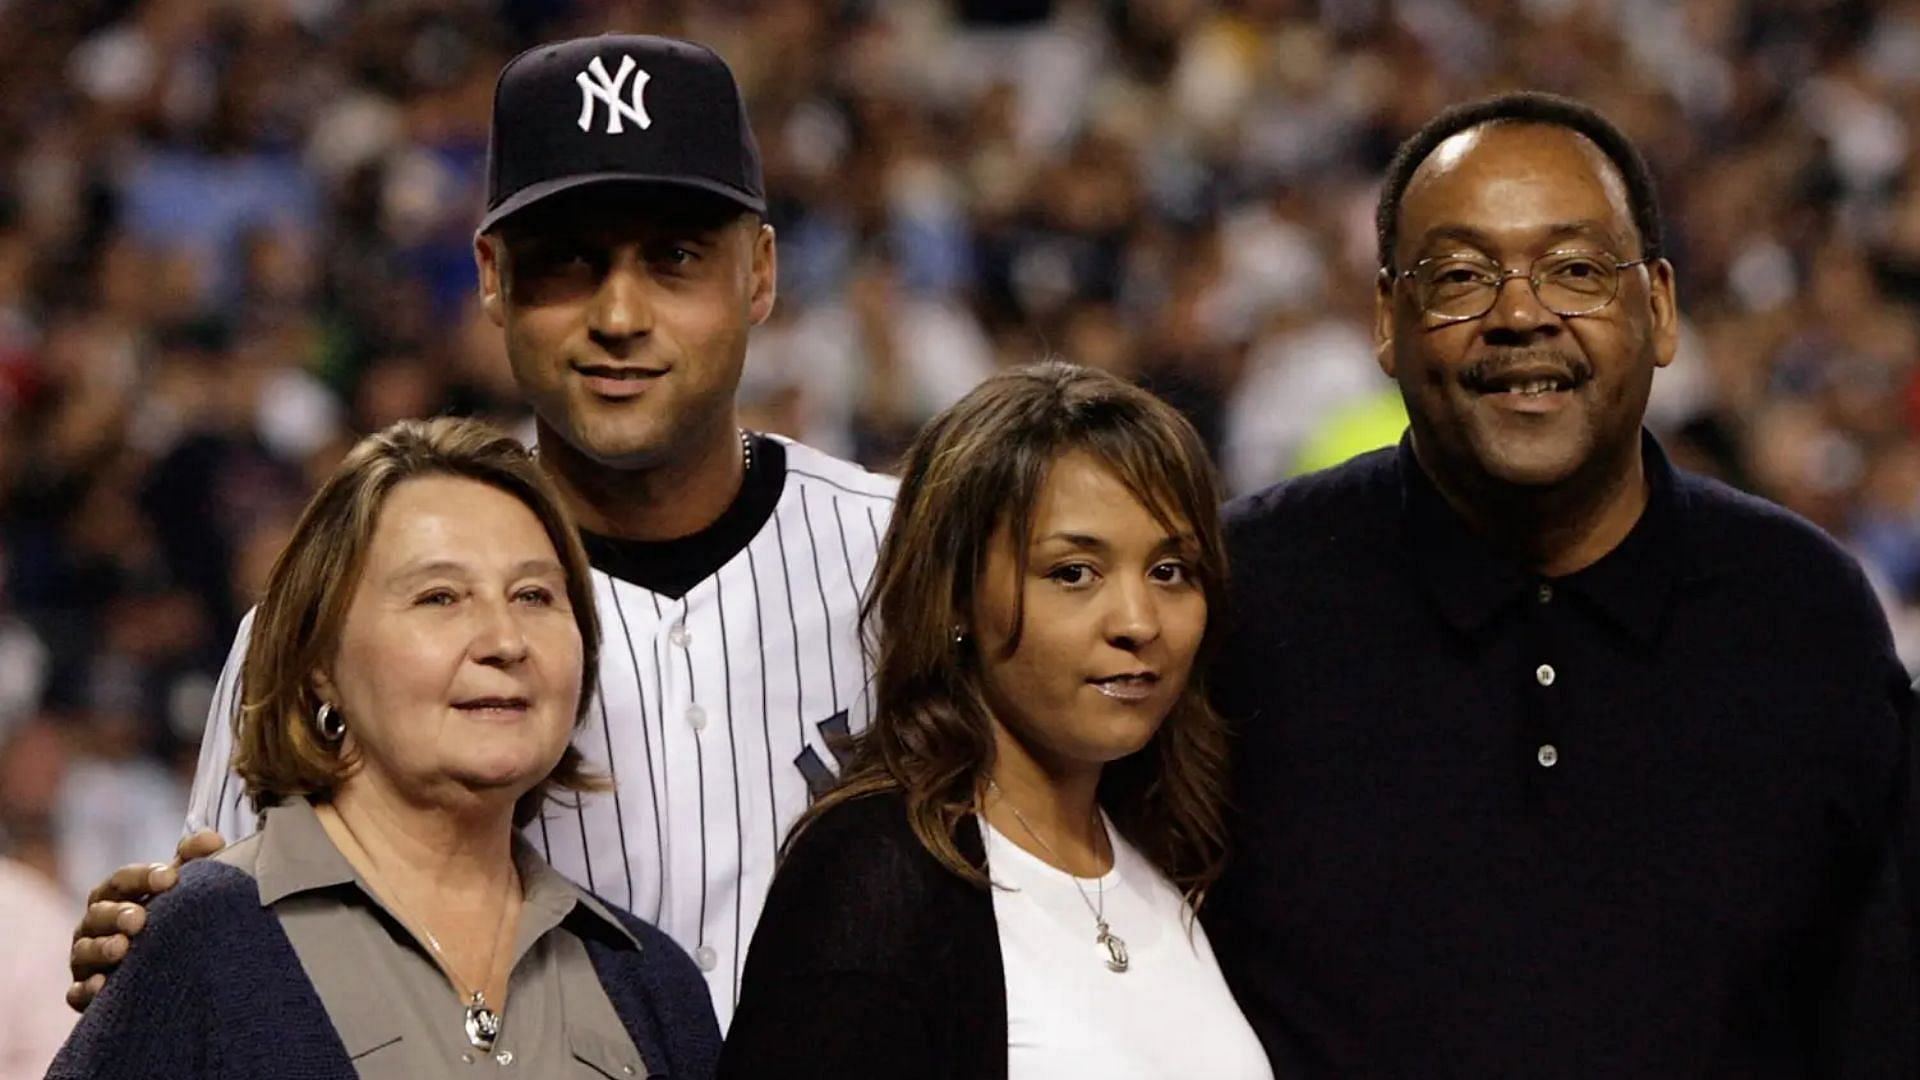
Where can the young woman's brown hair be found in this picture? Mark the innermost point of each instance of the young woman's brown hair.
(277, 750)
(979, 465)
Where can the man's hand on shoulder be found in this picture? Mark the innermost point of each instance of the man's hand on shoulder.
(116, 910)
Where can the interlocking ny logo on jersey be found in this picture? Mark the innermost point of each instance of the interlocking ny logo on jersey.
(595, 85)
(833, 732)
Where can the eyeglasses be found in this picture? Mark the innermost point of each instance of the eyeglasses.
(1455, 288)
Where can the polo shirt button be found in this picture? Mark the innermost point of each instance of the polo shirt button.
(1544, 593)
(697, 717)
(679, 636)
(706, 957)
(1548, 756)
(1543, 675)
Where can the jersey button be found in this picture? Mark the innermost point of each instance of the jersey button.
(679, 636)
(1548, 756)
(696, 718)
(706, 957)
(1544, 675)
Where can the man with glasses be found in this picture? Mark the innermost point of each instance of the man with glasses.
(1554, 760)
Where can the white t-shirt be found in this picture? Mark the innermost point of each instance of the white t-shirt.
(1168, 1015)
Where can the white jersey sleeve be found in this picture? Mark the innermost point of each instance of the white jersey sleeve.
(219, 800)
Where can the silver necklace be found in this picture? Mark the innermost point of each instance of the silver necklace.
(1115, 946)
(481, 1023)
(746, 450)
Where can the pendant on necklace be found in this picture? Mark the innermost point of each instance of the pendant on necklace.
(1115, 948)
(483, 1024)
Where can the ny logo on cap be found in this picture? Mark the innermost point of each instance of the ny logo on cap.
(607, 90)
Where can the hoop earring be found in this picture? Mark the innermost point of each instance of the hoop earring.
(331, 725)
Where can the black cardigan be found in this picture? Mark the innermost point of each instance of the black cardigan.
(872, 960)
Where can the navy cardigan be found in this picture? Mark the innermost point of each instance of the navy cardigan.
(213, 989)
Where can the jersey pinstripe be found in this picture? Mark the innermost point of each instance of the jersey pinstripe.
(712, 715)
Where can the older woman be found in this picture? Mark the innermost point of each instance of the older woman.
(415, 673)
(1004, 885)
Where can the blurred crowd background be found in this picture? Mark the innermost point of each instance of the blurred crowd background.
(235, 234)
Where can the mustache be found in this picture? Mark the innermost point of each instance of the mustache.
(1499, 365)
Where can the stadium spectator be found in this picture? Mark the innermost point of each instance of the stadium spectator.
(33, 964)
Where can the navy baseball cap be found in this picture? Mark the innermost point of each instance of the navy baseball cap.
(618, 108)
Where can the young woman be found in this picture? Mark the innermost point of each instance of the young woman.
(1005, 882)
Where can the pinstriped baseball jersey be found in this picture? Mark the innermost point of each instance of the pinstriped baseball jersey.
(713, 709)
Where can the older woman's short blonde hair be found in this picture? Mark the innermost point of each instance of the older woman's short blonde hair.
(278, 752)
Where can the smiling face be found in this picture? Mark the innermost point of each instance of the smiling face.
(459, 664)
(1523, 396)
(626, 314)
(1112, 619)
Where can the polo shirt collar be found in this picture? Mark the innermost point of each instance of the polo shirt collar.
(297, 856)
(1470, 581)
(1634, 583)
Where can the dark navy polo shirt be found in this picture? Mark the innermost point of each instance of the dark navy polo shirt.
(1638, 821)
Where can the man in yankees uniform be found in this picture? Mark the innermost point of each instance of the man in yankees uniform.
(625, 255)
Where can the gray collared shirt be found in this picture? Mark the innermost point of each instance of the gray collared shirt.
(394, 1009)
